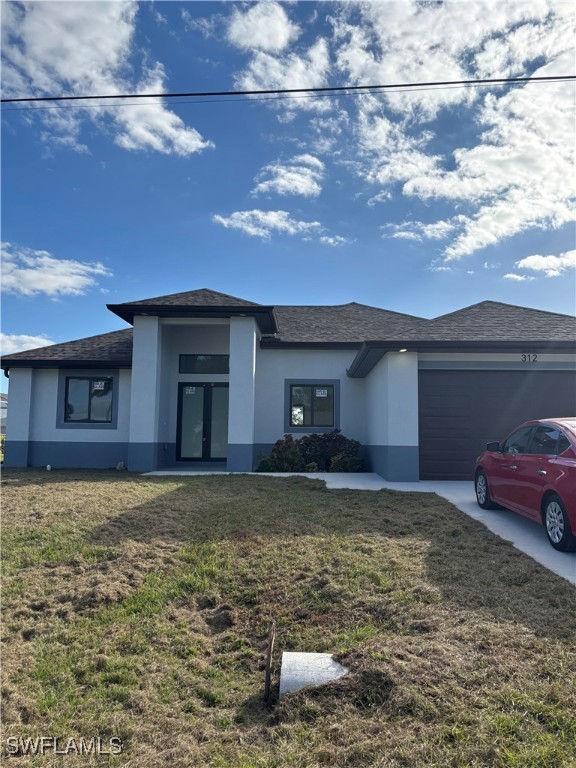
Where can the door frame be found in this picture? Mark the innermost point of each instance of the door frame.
(206, 418)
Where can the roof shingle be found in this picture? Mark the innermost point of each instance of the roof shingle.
(346, 324)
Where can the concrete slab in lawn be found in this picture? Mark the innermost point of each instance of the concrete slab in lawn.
(527, 536)
(299, 670)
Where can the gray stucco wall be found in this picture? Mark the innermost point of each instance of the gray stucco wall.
(275, 366)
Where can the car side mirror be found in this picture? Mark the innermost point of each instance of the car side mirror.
(493, 446)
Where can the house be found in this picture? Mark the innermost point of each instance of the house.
(203, 379)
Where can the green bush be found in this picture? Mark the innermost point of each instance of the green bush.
(328, 452)
(285, 457)
(321, 449)
(346, 464)
(266, 464)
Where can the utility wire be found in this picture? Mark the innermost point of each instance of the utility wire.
(239, 100)
(278, 91)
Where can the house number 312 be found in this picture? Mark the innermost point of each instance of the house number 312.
(528, 357)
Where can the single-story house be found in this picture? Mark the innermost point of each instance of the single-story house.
(203, 379)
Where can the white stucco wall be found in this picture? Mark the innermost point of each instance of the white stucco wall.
(392, 400)
(44, 405)
(20, 395)
(497, 361)
(241, 419)
(145, 389)
(274, 366)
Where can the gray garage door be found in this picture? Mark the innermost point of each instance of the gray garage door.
(460, 411)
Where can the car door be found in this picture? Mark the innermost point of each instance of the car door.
(537, 469)
(503, 474)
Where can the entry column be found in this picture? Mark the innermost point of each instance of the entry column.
(243, 336)
(145, 394)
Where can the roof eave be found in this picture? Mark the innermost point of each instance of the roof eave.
(280, 344)
(264, 315)
(371, 352)
(7, 364)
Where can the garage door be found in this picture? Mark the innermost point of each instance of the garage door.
(460, 411)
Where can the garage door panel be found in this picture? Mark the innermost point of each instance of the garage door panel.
(460, 411)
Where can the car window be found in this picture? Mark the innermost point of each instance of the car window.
(563, 443)
(545, 441)
(518, 441)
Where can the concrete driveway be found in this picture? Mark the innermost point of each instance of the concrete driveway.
(525, 535)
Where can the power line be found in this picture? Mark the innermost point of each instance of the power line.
(279, 91)
(238, 100)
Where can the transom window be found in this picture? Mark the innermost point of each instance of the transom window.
(88, 399)
(204, 363)
(311, 405)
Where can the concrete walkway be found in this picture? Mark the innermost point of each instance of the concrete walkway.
(525, 535)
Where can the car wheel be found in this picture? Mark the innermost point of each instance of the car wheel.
(482, 492)
(557, 525)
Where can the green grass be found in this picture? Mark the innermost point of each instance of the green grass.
(138, 607)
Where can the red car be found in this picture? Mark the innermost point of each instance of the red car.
(533, 472)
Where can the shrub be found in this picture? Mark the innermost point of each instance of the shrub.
(265, 464)
(329, 452)
(341, 463)
(285, 457)
(321, 449)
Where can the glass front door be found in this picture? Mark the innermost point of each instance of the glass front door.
(202, 422)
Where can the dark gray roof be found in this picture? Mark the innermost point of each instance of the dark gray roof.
(201, 303)
(340, 323)
(114, 348)
(496, 321)
(203, 297)
(492, 322)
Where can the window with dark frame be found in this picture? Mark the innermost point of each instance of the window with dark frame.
(311, 405)
(204, 364)
(88, 399)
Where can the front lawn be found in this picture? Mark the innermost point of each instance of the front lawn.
(137, 607)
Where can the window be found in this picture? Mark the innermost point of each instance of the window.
(204, 363)
(518, 441)
(88, 399)
(548, 441)
(563, 443)
(311, 405)
(545, 441)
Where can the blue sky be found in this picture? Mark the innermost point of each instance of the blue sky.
(419, 201)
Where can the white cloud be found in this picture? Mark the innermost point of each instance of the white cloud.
(419, 231)
(206, 25)
(334, 240)
(405, 42)
(509, 179)
(292, 70)
(264, 26)
(517, 278)
(302, 175)
(71, 48)
(515, 177)
(28, 272)
(12, 343)
(551, 266)
(264, 224)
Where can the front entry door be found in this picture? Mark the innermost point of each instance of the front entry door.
(202, 422)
